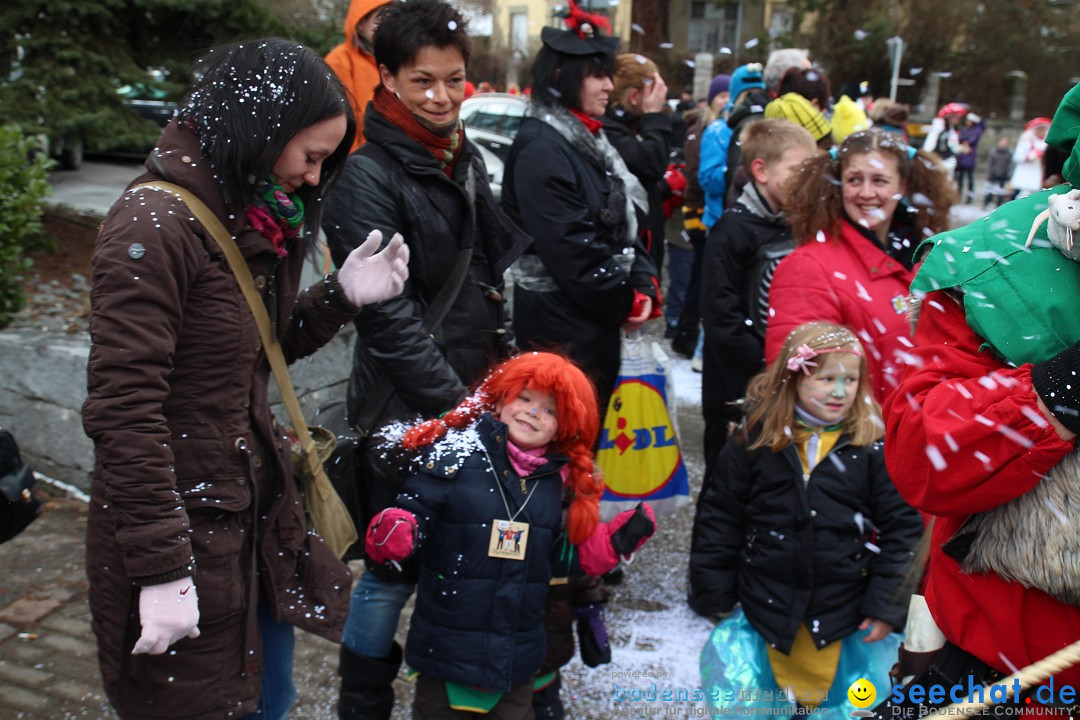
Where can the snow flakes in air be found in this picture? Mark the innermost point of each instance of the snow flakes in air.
(861, 35)
(1034, 416)
(725, 51)
(637, 28)
(429, 94)
(452, 25)
(751, 43)
(936, 458)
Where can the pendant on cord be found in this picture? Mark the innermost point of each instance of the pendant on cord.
(508, 539)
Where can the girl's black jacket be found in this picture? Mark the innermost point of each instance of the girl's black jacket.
(794, 551)
(479, 620)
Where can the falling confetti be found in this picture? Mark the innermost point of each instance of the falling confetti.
(936, 458)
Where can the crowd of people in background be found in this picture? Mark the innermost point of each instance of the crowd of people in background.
(794, 223)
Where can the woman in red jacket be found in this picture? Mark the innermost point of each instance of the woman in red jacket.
(857, 215)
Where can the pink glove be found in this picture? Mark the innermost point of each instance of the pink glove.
(167, 613)
(622, 537)
(391, 536)
(368, 276)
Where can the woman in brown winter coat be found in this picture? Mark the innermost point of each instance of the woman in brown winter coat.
(192, 490)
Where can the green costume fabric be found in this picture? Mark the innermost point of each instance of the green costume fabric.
(1064, 131)
(1022, 301)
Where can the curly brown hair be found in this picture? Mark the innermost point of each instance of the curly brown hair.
(815, 195)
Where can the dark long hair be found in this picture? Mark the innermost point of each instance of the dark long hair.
(557, 76)
(249, 100)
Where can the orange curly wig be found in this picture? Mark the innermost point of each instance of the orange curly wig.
(578, 416)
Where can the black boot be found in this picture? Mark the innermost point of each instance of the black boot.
(686, 334)
(367, 685)
(547, 705)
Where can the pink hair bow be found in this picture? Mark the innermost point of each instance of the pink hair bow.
(801, 360)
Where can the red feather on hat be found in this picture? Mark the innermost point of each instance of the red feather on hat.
(585, 24)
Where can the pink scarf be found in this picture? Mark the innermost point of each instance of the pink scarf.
(526, 462)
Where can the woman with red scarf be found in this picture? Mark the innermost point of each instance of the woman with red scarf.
(586, 275)
(417, 174)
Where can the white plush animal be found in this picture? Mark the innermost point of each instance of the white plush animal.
(1063, 222)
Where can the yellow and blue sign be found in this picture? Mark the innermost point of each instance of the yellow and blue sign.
(638, 450)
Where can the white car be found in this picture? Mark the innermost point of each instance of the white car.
(491, 120)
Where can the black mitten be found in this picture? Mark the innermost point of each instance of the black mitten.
(1057, 381)
(633, 532)
(592, 635)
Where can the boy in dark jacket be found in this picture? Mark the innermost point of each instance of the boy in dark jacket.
(743, 249)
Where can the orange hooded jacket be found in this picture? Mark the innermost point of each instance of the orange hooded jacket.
(356, 67)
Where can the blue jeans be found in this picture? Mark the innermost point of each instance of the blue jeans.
(278, 692)
(374, 611)
(680, 266)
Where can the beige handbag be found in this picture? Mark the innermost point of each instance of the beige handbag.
(327, 514)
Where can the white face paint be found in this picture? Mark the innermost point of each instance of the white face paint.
(829, 392)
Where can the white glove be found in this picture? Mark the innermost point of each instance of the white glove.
(167, 613)
(369, 277)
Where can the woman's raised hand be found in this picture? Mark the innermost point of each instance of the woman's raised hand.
(368, 276)
(654, 99)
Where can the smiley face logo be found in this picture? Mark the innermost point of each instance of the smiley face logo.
(862, 693)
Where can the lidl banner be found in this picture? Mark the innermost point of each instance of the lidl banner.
(639, 449)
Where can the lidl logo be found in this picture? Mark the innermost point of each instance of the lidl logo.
(638, 451)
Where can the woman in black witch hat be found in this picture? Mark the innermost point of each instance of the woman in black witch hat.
(585, 275)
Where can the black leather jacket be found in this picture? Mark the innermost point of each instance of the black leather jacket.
(394, 184)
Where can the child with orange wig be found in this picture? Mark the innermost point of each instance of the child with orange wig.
(484, 510)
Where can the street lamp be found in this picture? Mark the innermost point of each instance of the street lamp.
(896, 52)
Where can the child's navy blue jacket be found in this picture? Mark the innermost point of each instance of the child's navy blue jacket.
(479, 621)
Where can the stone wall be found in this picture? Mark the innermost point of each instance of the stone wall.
(43, 385)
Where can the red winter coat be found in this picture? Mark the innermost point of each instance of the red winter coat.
(946, 401)
(850, 281)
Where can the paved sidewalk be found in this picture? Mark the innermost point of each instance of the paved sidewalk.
(48, 664)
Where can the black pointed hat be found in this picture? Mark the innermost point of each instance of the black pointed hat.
(583, 36)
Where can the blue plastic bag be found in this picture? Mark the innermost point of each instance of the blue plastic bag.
(735, 670)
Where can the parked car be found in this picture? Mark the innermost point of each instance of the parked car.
(491, 120)
(145, 100)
